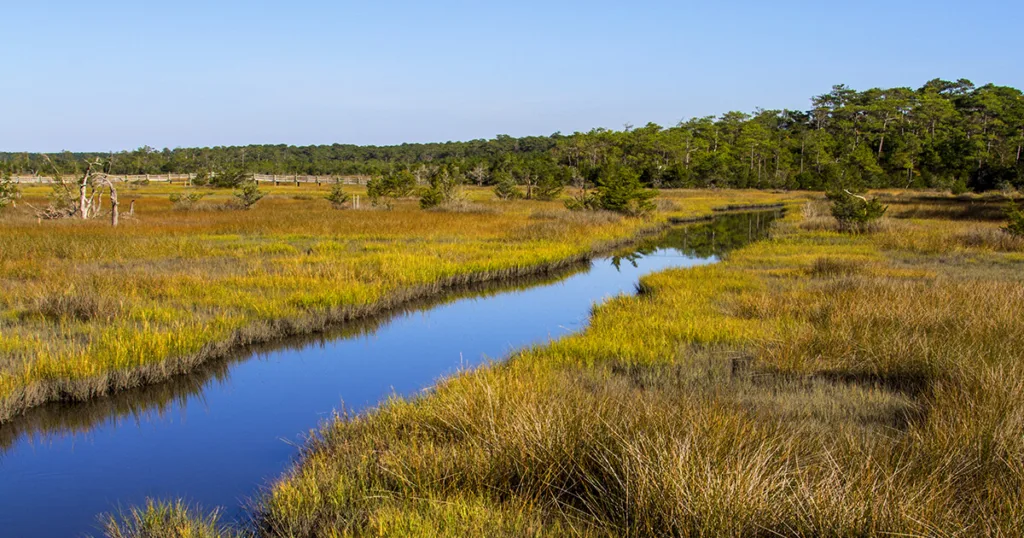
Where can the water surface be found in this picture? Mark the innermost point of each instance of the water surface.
(216, 436)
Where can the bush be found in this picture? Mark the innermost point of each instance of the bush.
(620, 190)
(506, 188)
(1015, 216)
(549, 186)
(248, 194)
(444, 189)
(855, 213)
(338, 198)
(202, 178)
(231, 178)
(185, 202)
(9, 191)
(584, 201)
(959, 187)
(431, 198)
(384, 190)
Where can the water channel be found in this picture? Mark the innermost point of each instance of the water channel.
(218, 435)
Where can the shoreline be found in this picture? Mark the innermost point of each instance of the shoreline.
(70, 391)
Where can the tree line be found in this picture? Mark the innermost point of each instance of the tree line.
(946, 134)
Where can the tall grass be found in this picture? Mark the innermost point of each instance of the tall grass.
(88, 309)
(165, 520)
(816, 384)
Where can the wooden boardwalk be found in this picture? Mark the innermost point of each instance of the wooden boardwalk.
(186, 179)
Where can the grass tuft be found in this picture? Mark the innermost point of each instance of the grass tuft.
(165, 519)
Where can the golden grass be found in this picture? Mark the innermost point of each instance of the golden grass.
(815, 384)
(88, 309)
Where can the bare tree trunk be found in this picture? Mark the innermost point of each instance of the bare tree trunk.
(83, 200)
(114, 217)
(131, 209)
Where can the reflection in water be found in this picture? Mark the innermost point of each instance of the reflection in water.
(56, 420)
(727, 232)
(216, 435)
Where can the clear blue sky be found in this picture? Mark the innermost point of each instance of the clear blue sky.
(107, 75)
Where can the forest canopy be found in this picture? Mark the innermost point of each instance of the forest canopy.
(945, 134)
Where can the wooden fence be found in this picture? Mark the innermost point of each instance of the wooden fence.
(186, 179)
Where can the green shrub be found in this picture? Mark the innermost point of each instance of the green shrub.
(444, 188)
(185, 202)
(1015, 216)
(855, 213)
(9, 191)
(549, 186)
(230, 178)
(338, 198)
(431, 198)
(201, 179)
(584, 201)
(620, 190)
(248, 194)
(385, 189)
(506, 187)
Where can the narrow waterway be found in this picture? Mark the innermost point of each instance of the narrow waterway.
(216, 436)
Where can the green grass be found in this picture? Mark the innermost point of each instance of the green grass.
(88, 309)
(815, 384)
(165, 520)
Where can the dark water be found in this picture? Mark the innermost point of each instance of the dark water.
(216, 436)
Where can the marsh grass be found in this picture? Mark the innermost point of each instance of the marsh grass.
(161, 519)
(88, 310)
(816, 384)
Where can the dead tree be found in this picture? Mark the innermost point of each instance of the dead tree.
(89, 203)
(104, 180)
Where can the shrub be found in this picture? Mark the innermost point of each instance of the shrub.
(855, 213)
(202, 178)
(231, 178)
(620, 190)
(9, 191)
(384, 190)
(431, 198)
(959, 187)
(445, 188)
(248, 194)
(1015, 216)
(584, 201)
(185, 202)
(549, 186)
(506, 188)
(338, 198)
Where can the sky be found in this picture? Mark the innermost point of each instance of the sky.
(110, 76)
